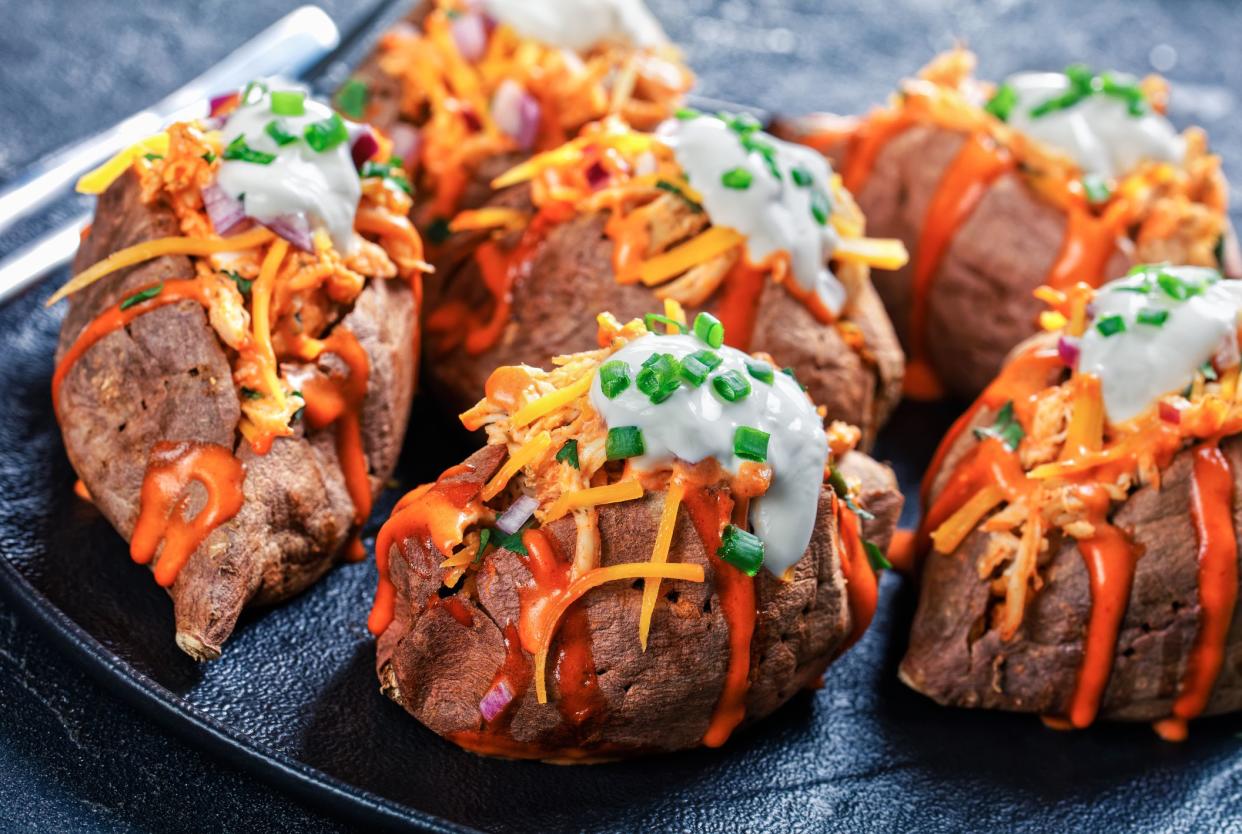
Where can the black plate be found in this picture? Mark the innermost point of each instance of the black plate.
(295, 697)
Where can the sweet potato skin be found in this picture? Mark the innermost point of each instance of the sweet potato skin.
(167, 377)
(955, 658)
(439, 668)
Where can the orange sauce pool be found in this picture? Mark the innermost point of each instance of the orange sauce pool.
(171, 468)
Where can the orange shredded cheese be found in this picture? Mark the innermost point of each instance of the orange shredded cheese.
(674, 311)
(881, 253)
(593, 496)
(493, 217)
(97, 180)
(548, 403)
(958, 526)
(261, 295)
(715, 241)
(528, 452)
(659, 555)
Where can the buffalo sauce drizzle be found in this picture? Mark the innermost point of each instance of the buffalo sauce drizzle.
(339, 401)
(171, 468)
(862, 586)
(738, 305)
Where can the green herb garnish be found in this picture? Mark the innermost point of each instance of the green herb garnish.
(569, 453)
(650, 320)
(665, 185)
(801, 176)
(288, 102)
(151, 157)
(751, 444)
(876, 556)
(251, 394)
(708, 357)
(1209, 371)
(1177, 288)
(614, 377)
(1096, 188)
(741, 549)
(761, 371)
(1156, 318)
(142, 295)
(1002, 102)
(325, 135)
(1111, 325)
(390, 171)
(240, 151)
(709, 329)
(685, 114)
(624, 442)
(243, 285)
(485, 536)
(836, 480)
(209, 157)
(821, 207)
(254, 92)
(660, 377)
(512, 542)
(278, 133)
(1004, 428)
(352, 99)
(694, 371)
(738, 179)
(731, 386)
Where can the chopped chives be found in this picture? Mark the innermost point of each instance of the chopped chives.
(288, 102)
(1002, 102)
(820, 207)
(742, 124)
(151, 157)
(670, 325)
(1156, 318)
(685, 114)
(1111, 325)
(708, 357)
(1096, 188)
(248, 95)
(142, 295)
(731, 386)
(240, 151)
(624, 442)
(738, 179)
(694, 371)
(741, 549)
(801, 176)
(614, 377)
(1177, 288)
(569, 453)
(352, 99)
(671, 188)
(751, 444)
(709, 329)
(278, 133)
(209, 157)
(659, 377)
(327, 134)
(761, 371)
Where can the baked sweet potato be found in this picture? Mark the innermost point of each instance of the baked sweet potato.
(990, 213)
(166, 416)
(579, 236)
(1092, 570)
(466, 641)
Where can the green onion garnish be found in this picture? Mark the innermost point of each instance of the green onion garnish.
(738, 179)
(801, 176)
(327, 134)
(660, 377)
(278, 133)
(731, 386)
(251, 394)
(614, 377)
(821, 207)
(751, 444)
(569, 453)
(694, 371)
(1111, 325)
(1004, 428)
(352, 99)
(685, 114)
(254, 92)
(670, 325)
(665, 185)
(288, 102)
(243, 286)
(624, 442)
(876, 556)
(1002, 102)
(209, 157)
(240, 151)
(142, 295)
(765, 150)
(742, 124)
(390, 171)
(708, 357)
(1155, 318)
(151, 157)
(761, 371)
(1209, 371)
(742, 549)
(1176, 288)
(484, 537)
(709, 329)
(1096, 188)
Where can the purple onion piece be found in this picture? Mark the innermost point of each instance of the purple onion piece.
(495, 700)
(215, 103)
(470, 35)
(294, 228)
(596, 174)
(226, 212)
(513, 518)
(1067, 349)
(516, 113)
(364, 147)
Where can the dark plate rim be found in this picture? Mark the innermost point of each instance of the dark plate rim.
(306, 783)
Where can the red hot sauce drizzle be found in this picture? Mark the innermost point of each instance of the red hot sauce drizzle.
(862, 586)
(171, 468)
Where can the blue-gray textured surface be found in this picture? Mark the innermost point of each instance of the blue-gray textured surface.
(72, 758)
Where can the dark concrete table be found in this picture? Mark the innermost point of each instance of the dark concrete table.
(72, 758)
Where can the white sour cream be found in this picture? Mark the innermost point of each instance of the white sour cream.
(578, 25)
(1144, 362)
(322, 186)
(1099, 132)
(775, 214)
(695, 423)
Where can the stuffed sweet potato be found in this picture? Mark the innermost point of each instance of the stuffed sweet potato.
(236, 365)
(467, 90)
(659, 543)
(707, 212)
(1046, 179)
(1083, 518)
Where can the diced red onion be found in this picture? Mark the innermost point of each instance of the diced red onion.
(516, 113)
(470, 35)
(364, 147)
(1170, 413)
(294, 228)
(226, 212)
(471, 119)
(513, 518)
(218, 103)
(495, 700)
(406, 141)
(1067, 349)
(596, 174)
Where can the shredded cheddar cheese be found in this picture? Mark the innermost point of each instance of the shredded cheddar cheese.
(949, 535)
(527, 453)
(594, 496)
(548, 403)
(881, 253)
(97, 181)
(715, 241)
(659, 555)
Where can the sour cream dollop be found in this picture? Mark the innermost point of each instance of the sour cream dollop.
(695, 424)
(785, 210)
(323, 186)
(1146, 360)
(578, 25)
(1099, 132)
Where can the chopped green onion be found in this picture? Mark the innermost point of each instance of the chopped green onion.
(651, 319)
(1002, 102)
(288, 102)
(390, 171)
(660, 377)
(708, 357)
(484, 537)
(438, 230)
(743, 124)
(142, 295)
(151, 157)
(709, 329)
(694, 370)
(761, 371)
(352, 99)
(278, 133)
(569, 453)
(243, 286)
(1131, 94)
(1111, 325)
(741, 549)
(1005, 428)
(1177, 288)
(248, 95)
(665, 185)
(1096, 188)
(624, 442)
(731, 386)
(765, 150)
(239, 150)
(685, 114)
(1156, 318)
(751, 444)
(251, 394)
(738, 179)
(1208, 371)
(821, 207)
(614, 377)
(325, 135)
(1142, 289)
(801, 176)
(209, 157)
(876, 556)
